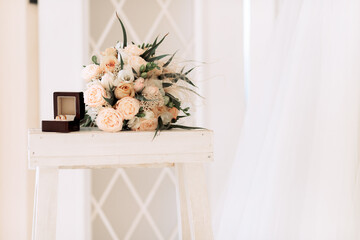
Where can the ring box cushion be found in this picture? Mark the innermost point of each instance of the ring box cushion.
(69, 104)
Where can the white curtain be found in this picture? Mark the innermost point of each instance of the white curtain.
(296, 175)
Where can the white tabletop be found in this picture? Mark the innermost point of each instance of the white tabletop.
(92, 148)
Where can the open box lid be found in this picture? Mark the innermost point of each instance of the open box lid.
(69, 103)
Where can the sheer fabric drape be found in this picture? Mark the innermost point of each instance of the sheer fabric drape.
(296, 175)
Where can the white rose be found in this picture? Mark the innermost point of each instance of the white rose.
(90, 72)
(124, 55)
(135, 62)
(107, 81)
(92, 112)
(134, 123)
(166, 117)
(134, 50)
(125, 75)
(149, 115)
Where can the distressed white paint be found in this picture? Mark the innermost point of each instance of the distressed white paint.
(188, 150)
(100, 149)
(45, 204)
(194, 201)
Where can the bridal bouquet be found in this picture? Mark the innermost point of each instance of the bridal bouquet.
(133, 88)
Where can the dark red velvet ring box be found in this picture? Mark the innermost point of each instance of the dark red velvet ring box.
(68, 104)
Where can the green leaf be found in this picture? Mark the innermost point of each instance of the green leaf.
(155, 41)
(189, 71)
(170, 59)
(110, 101)
(165, 84)
(182, 70)
(184, 127)
(151, 51)
(176, 77)
(190, 90)
(158, 57)
(186, 79)
(142, 98)
(159, 127)
(176, 103)
(123, 30)
(121, 62)
(94, 60)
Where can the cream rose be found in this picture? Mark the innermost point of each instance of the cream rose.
(125, 75)
(139, 84)
(109, 52)
(135, 62)
(90, 72)
(151, 91)
(156, 72)
(134, 50)
(94, 96)
(147, 125)
(124, 90)
(107, 80)
(108, 63)
(128, 107)
(109, 120)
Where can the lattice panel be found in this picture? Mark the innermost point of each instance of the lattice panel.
(138, 203)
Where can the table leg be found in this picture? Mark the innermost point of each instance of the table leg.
(194, 207)
(45, 204)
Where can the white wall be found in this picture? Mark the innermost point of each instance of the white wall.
(224, 89)
(62, 37)
(18, 111)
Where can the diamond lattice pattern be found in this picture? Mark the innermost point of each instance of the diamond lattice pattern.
(137, 203)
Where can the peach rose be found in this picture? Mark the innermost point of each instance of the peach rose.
(139, 84)
(147, 125)
(124, 90)
(132, 49)
(93, 96)
(156, 72)
(135, 62)
(128, 107)
(174, 112)
(159, 110)
(109, 120)
(108, 63)
(90, 72)
(109, 52)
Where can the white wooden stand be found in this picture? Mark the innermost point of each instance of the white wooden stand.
(186, 150)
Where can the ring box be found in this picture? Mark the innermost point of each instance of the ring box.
(70, 106)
